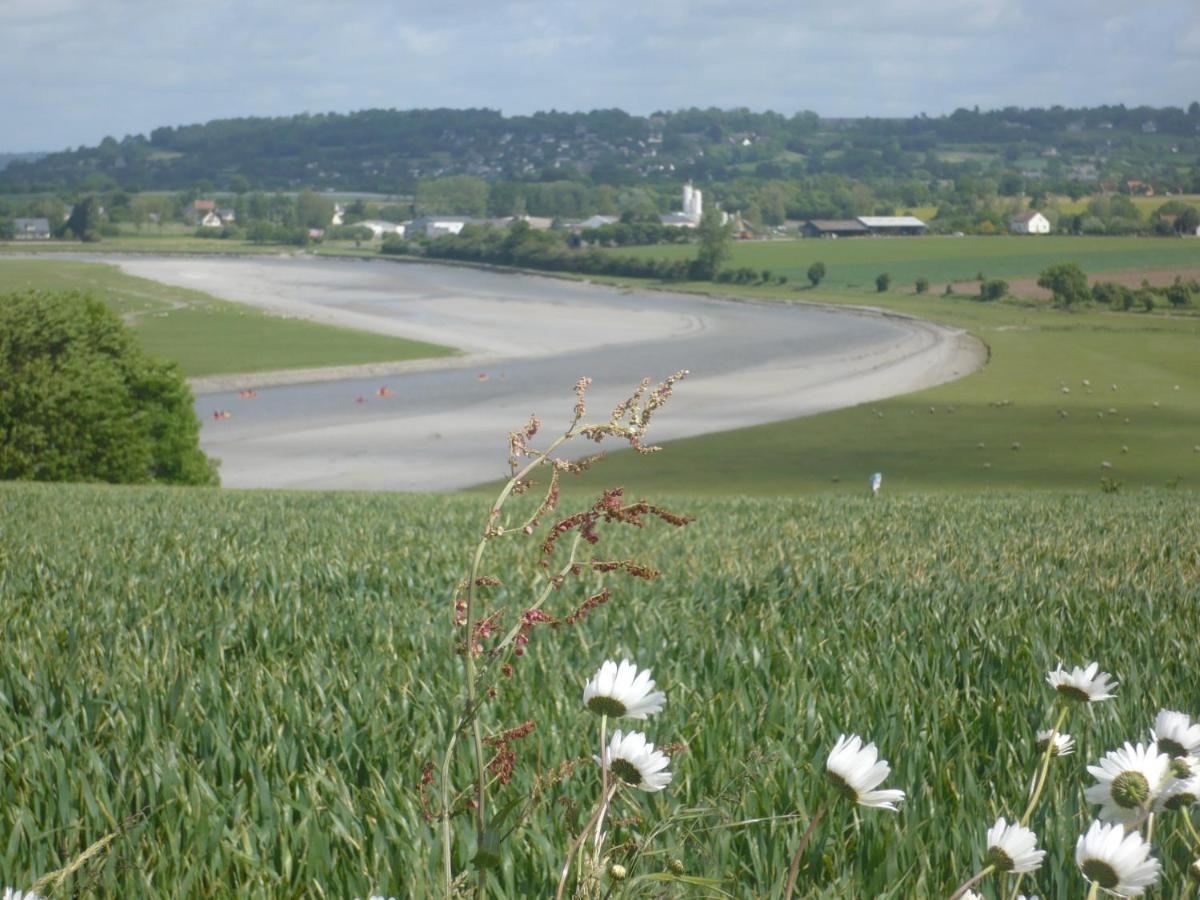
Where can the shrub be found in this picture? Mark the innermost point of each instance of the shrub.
(922, 285)
(1113, 295)
(80, 401)
(883, 282)
(993, 289)
(1067, 283)
(816, 272)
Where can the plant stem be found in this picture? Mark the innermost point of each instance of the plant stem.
(1150, 828)
(603, 789)
(794, 868)
(447, 838)
(972, 881)
(1044, 769)
(578, 842)
(1094, 891)
(1191, 827)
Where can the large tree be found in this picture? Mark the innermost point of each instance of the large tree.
(80, 401)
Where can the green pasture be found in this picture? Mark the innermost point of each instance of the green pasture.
(1146, 429)
(208, 336)
(853, 263)
(245, 686)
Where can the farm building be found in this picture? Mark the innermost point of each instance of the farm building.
(815, 228)
(31, 229)
(436, 226)
(1029, 222)
(893, 224)
(380, 228)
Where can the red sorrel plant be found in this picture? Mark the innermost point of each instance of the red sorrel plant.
(490, 638)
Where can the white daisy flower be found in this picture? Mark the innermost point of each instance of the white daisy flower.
(1129, 780)
(971, 895)
(13, 894)
(635, 762)
(857, 771)
(1179, 794)
(1013, 848)
(1085, 685)
(1119, 862)
(1064, 744)
(622, 691)
(1175, 733)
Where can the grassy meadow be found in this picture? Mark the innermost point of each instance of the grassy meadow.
(207, 336)
(261, 677)
(853, 263)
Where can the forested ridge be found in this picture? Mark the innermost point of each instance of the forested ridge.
(392, 151)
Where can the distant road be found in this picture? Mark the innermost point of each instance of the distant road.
(442, 424)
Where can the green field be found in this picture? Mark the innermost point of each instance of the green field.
(930, 441)
(853, 263)
(264, 675)
(207, 336)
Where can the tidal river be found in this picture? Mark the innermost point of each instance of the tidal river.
(443, 424)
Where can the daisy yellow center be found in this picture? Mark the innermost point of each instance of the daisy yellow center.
(626, 771)
(1102, 873)
(843, 786)
(1130, 789)
(998, 858)
(1073, 693)
(1171, 748)
(607, 706)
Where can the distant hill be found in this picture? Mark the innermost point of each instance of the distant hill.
(6, 158)
(391, 150)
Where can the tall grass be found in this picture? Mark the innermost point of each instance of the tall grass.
(262, 677)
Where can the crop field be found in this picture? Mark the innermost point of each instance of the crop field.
(244, 687)
(207, 336)
(853, 263)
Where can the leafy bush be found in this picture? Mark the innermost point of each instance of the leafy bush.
(993, 289)
(883, 282)
(816, 272)
(80, 401)
(921, 285)
(1114, 296)
(1067, 283)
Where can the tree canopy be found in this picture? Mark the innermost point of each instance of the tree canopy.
(80, 401)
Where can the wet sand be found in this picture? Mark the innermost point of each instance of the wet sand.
(433, 425)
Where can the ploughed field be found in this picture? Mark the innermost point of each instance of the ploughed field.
(262, 677)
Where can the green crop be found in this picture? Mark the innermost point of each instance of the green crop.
(246, 686)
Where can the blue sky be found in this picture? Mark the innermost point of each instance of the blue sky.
(77, 70)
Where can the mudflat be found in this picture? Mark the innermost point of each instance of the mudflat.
(441, 424)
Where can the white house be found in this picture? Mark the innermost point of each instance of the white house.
(339, 215)
(1029, 222)
(210, 220)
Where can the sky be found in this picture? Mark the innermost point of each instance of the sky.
(75, 71)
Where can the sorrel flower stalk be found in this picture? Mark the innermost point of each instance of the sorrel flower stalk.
(628, 421)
